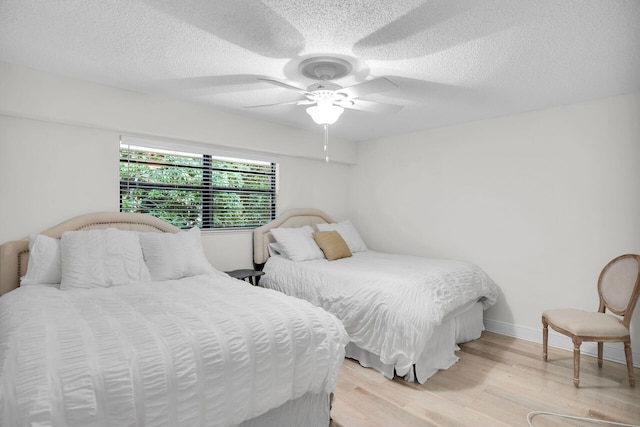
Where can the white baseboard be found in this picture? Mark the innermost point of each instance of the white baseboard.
(612, 351)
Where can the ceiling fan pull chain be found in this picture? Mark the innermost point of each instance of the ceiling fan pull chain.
(326, 143)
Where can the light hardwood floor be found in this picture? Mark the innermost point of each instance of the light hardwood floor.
(496, 383)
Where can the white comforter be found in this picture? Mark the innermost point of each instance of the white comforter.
(389, 304)
(201, 351)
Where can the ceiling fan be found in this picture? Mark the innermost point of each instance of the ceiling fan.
(326, 99)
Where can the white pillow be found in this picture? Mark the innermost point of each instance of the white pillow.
(275, 249)
(172, 256)
(348, 233)
(101, 258)
(297, 244)
(44, 261)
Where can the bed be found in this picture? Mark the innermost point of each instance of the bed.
(131, 326)
(404, 315)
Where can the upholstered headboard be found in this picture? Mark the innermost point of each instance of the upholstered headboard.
(14, 256)
(289, 219)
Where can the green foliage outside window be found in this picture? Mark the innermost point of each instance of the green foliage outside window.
(198, 190)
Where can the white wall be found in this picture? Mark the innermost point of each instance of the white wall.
(541, 201)
(59, 154)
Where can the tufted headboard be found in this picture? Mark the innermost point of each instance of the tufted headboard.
(288, 219)
(14, 256)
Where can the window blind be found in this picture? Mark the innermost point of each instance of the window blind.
(191, 189)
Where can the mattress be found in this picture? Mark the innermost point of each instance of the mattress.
(206, 350)
(391, 305)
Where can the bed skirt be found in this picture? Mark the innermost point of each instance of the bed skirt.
(439, 352)
(309, 410)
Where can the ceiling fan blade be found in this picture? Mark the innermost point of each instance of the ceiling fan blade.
(273, 105)
(285, 85)
(299, 102)
(371, 107)
(248, 24)
(205, 85)
(439, 25)
(417, 90)
(359, 90)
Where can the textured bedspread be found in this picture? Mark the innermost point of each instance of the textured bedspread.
(201, 351)
(389, 304)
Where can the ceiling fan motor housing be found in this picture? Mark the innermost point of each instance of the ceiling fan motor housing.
(323, 86)
(324, 68)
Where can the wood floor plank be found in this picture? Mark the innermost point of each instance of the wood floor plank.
(497, 382)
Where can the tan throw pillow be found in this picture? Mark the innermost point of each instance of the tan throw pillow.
(332, 244)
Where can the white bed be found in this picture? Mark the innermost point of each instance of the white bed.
(405, 315)
(121, 348)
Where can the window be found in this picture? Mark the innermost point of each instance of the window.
(197, 190)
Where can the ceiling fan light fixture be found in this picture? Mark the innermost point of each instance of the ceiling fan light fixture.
(324, 114)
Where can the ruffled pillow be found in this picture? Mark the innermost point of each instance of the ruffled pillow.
(171, 256)
(101, 258)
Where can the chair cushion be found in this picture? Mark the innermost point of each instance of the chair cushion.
(586, 323)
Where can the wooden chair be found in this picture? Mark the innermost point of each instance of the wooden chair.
(618, 288)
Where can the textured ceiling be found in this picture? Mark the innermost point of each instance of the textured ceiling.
(452, 60)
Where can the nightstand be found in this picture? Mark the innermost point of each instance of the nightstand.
(248, 275)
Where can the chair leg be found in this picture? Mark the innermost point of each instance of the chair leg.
(600, 351)
(545, 338)
(629, 357)
(576, 361)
